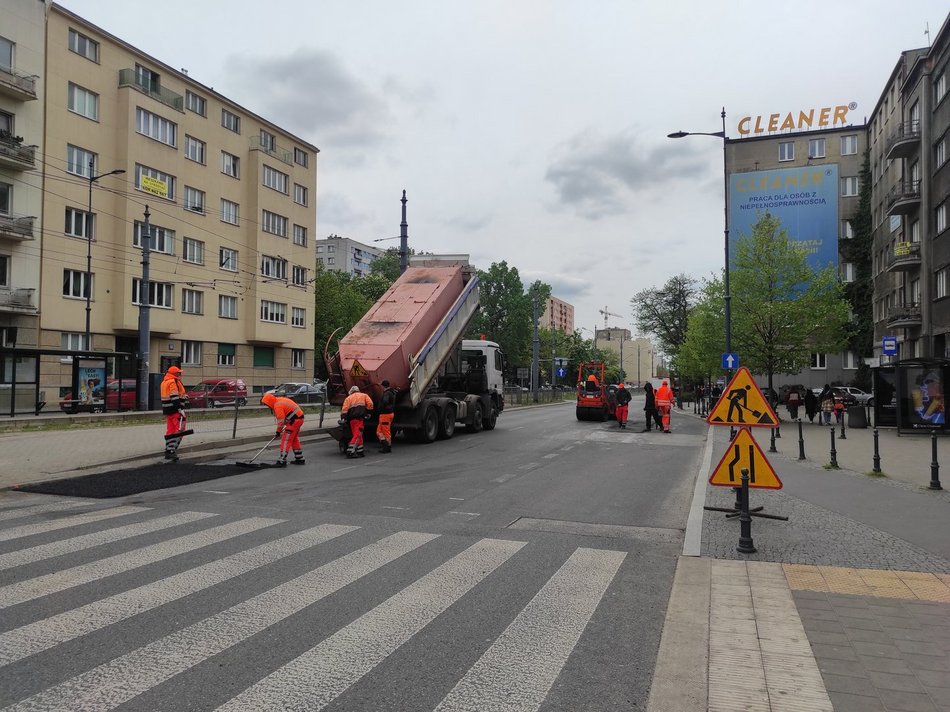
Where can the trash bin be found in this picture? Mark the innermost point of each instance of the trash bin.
(857, 416)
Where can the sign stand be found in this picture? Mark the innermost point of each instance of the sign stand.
(746, 545)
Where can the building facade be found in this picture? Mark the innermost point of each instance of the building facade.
(230, 198)
(558, 315)
(341, 254)
(635, 356)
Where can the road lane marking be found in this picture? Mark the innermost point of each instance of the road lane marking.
(66, 522)
(504, 478)
(16, 513)
(551, 455)
(529, 465)
(402, 509)
(466, 514)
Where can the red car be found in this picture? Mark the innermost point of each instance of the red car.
(216, 392)
(115, 399)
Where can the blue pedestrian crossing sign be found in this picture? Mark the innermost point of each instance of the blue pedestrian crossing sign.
(730, 361)
(889, 346)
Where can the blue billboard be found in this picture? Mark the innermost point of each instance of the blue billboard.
(805, 200)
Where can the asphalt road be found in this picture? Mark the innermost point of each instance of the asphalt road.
(526, 568)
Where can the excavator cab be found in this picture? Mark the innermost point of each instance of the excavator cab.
(592, 402)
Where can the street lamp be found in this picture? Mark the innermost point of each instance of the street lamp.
(92, 179)
(727, 297)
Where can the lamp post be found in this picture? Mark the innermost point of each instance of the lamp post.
(727, 297)
(92, 179)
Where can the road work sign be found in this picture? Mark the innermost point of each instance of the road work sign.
(357, 369)
(744, 453)
(742, 403)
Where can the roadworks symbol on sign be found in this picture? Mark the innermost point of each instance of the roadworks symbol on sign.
(744, 453)
(742, 403)
(357, 369)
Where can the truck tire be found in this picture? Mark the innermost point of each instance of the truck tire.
(477, 419)
(491, 419)
(581, 414)
(430, 426)
(447, 423)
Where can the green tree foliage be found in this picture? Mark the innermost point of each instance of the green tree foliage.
(705, 334)
(387, 264)
(664, 311)
(858, 251)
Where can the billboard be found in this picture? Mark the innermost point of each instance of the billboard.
(805, 200)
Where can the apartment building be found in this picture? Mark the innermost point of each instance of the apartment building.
(558, 315)
(231, 203)
(342, 254)
(634, 355)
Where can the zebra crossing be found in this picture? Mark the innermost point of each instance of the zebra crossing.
(236, 587)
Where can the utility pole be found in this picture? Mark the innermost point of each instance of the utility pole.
(144, 315)
(535, 347)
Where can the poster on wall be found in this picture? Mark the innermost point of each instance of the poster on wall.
(921, 395)
(805, 200)
(92, 384)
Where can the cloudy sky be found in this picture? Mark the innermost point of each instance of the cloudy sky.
(531, 131)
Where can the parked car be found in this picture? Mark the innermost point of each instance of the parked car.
(861, 397)
(216, 392)
(839, 392)
(301, 392)
(120, 394)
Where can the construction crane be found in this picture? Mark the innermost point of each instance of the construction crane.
(608, 313)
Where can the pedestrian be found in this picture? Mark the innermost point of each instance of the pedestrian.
(650, 413)
(289, 417)
(811, 405)
(664, 403)
(623, 405)
(387, 407)
(839, 410)
(826, 402)
(357, 408)
(174, 402)
(793, 401)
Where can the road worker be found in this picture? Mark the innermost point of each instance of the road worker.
(593, 386)
(289, 417)
(623, 405)
(387, 407)
(664, 402)
(174, 403)
(355, 409)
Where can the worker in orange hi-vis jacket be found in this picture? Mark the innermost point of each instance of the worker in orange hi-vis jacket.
(174, 403)
(355, 409)
(664, 403)
(289, 417)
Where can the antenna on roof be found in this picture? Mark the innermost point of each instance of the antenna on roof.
(927, 32)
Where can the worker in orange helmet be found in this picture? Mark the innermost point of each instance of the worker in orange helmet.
(174, 402)
(592, 385)
(664, 403)
(623, 405)
(289, 417)
(355, 409)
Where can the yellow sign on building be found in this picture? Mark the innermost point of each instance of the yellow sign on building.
(154, 186)
(742, 403)
(744, 453)
(357, 369)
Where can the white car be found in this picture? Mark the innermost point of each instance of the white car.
(860, 396)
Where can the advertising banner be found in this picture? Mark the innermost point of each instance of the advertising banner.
(920, 395)
(805, 200)
(92, 384)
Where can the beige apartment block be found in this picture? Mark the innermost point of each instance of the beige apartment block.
(231, 199)
(558, 315)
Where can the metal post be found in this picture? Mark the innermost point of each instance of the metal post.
(403, 237)
(144, 316)
(746, 546)
(727, 297)
(772, 441)
(535, 346)
(801, 441)
(553, 356)
(934, 465)
(834, 453)
(843, 435)
(90, 233)
(877, 455)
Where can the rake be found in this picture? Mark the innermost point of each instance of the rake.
(250, 464)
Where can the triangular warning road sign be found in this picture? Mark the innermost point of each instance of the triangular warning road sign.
(744, 453)
(742, 403)
(357, 369)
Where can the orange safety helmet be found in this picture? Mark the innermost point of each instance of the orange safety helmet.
(620, 385)
(174, 370)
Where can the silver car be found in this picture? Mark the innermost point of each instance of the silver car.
(860, 396)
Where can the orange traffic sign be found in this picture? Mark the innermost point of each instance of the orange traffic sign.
(357, 369)
(742, 403)
(744, 453)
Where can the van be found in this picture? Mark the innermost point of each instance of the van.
(216, 392)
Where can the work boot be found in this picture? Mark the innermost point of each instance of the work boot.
(299, 461)
(280, 463)
(386, 448)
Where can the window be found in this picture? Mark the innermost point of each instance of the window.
(300, 194)
(319, 248)
(228, 259)
(79, 223)
(849, 145)
(915, 231)
(941, 217)
(894, 223)
(331, 248)
(154, 182)
(229, 212)
(301, 157)
(915, 292)
(298, 358)
(273, 267)
(4, 275)
(273, 311)
(6, 54)
(227, 307)
(300, 276)
(849, 186)
(940, 282)
(786, 151)
(78, 160)
(82, 45)
(194, 149)
(75, 284)
(298, 317)
(6, 122)
(232, 122)
(226, 354)
(196, 103)
(193, 250)
(194, 200)
(191, 353)
(847, 271)
(847, 232)
(71, 341)
(230, 165)
(192, 301)
(156, 127)
(83, 102)
(147, 79)
(940, 87)
(274, 223)
(819, 362)
(300, 235)
(816, 148)
(849, 361)
(268, 141)
(161, 239)
(159, 293)
(263, 356)
(331, 260)
(275, 179)
(6, 198)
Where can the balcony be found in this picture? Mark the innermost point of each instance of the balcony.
(16, 85)
(13, 154)
(906, 315)
(904, 142)
(275, 151)
(906, 257)
(17, 300)
(904, 198)
(16, 227)
(128, 78)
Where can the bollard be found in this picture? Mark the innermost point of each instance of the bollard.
(801, 441)
(834, 453)
(843, 436)
(877, 455)
(934, 465)
(778, 431)
(746, 546)
(772, 441)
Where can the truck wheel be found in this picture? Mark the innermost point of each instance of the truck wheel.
(430, 426)
(492, 418)
(447, 425)
(581, 415)
(242, 402)
(476, 424)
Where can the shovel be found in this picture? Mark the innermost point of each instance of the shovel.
(250, 464)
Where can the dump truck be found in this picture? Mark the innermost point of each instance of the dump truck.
(412, 337)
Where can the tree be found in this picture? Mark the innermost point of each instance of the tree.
(860, 292)
(387, 264)
(664, 312)
(705, 334)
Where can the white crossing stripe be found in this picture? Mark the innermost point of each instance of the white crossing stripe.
(20, 512)
(315, 678)
(88, 541)
(121, 679)
(44, 634)
(66, 522)
(16, 593)
(516, 673)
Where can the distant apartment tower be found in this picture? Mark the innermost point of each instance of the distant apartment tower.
(558, 315)
(341, 254)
